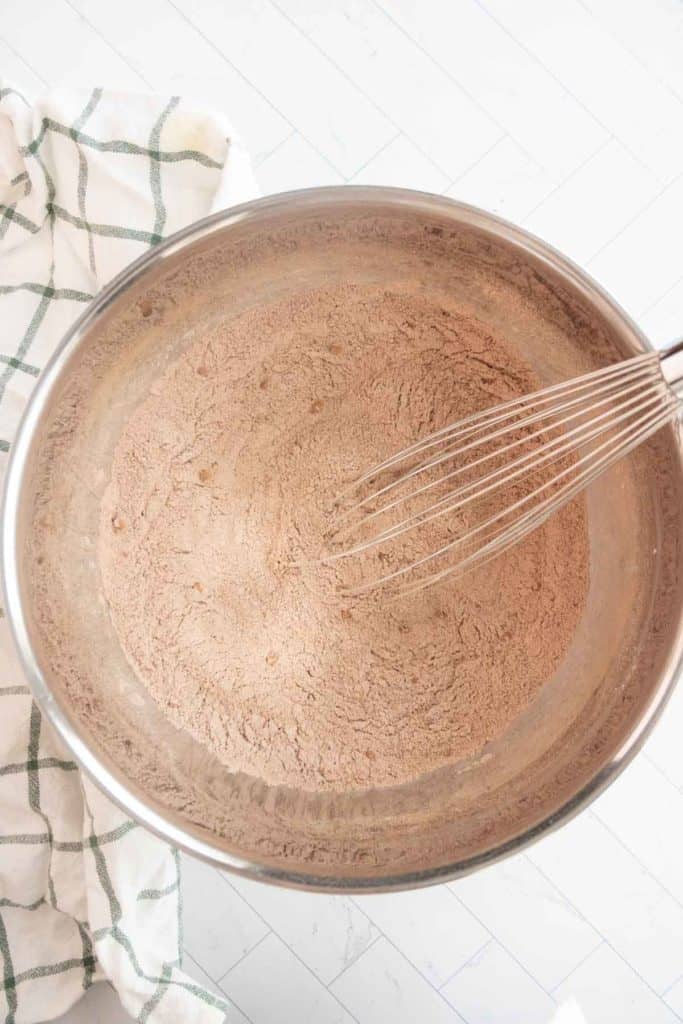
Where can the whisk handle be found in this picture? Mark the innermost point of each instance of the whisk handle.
(671, 359)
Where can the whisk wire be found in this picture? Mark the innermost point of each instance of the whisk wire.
(533, 517)
(455, 500)
(536, 517)
(641, 372)
(565, 435)
(486, 417)
(657, 385)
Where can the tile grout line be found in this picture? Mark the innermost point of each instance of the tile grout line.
(653, 764)
(381, 149)
(637, 859)
(609, 944)
(571, 175)
(502, 945)
(635, 217)
(257, 161)
(672, 985)
(632, 53)
(357, 87)
(645, 753)
(107, 43)
(289, 138)
(390, 942)
(23, 60)
(380, 935)
(295, 129)
(587, 259)
(581, 962)
(384, 935)
(284, 942)
(217, 983)
(473, 166)
(549, 71)
(557, 889)
(455, 81)
(195, 28)
(645, 312)
(467, 963)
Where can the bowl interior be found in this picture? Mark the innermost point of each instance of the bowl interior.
(584, 719)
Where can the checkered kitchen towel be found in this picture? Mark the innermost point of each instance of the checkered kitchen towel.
(88, 181)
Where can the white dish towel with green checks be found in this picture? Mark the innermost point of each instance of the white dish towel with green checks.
(88, 181)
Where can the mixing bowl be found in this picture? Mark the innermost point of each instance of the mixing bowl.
(588, 720)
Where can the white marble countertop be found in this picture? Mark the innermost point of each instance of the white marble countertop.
(566, 117)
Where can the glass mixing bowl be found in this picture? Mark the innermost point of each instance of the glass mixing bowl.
(588, 720)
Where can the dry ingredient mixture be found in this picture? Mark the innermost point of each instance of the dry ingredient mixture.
(223, 479)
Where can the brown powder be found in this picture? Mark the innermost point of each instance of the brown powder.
(224, 477)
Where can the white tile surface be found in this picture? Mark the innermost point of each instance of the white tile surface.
(235, 1016)
(429, 926)
(640, 264)
(645, 811)
(608, 991)
(272, 986)
(218, 926)
(611, 184)
(136, 30)
(664, 746)
(662, 323)
(563, 115)
(521, 908)
(384, 986)
(674, 998)
(192, 968)
(493, 989)
(602, 75)
(295, 164)
(622, 900)
(521, 95)
(18, 72)
(317, 99)
(326, 932)
(506, 181)
(651, 30)
(401, 165)
(82, 55)
(410, 88)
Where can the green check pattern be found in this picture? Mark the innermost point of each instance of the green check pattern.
(87, 183)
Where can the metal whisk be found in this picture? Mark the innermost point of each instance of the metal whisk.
(481, 484)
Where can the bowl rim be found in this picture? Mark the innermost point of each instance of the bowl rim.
(108, 776)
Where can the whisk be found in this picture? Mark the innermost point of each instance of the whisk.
(491, 478)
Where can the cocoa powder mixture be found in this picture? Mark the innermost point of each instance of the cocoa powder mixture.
(223, 479)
